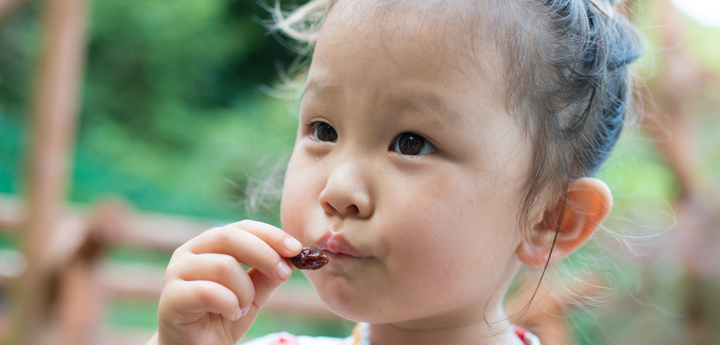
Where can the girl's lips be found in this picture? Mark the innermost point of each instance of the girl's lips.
(336, 245)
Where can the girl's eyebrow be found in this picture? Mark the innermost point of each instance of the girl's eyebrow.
(426, 101)
(423, 101)
(322, 90)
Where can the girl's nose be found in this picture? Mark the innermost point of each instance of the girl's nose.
(346, 193)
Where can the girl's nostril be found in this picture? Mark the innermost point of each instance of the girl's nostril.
(353, 209)
(328, 207)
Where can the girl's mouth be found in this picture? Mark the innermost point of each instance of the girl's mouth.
(335, 245)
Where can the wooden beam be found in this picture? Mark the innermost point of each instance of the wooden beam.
(54, 116)
(157, 231)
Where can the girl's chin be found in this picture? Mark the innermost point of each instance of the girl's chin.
(357, 306)
(366, 312)
(344, 300)
(344, 291)
(358, 313)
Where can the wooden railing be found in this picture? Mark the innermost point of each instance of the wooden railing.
(87, 281)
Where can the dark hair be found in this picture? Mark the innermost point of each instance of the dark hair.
(569, 74)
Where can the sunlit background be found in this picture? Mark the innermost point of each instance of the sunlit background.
(178, 127)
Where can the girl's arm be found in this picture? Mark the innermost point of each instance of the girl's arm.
(207, 297)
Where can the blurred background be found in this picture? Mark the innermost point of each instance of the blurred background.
(127, 127)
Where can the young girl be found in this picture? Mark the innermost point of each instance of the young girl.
(442, 145)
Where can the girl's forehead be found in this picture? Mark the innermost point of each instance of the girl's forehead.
(392, 59)
(424, 31)
(467, 17)
(400, 17)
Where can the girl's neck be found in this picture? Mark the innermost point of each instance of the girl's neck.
(475, 330)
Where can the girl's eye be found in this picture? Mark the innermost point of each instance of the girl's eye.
(412, 144)
(325, 132)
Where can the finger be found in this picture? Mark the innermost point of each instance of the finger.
(278, 239)
(263, 286)
(244, 247)
(219, 268)
(191, 300)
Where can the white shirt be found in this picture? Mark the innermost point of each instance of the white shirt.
(361, 336)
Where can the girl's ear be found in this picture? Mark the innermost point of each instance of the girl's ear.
(586, 205)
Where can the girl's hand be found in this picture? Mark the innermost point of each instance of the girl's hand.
(207, 297)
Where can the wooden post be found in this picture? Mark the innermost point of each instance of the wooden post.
(54, 120)
(81, 297)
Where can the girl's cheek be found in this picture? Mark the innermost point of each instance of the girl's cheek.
(289, 204)
(291, 220)
(297, 198)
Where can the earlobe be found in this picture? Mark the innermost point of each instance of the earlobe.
(587, 203)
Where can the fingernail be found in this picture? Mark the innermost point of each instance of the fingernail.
(245, 311)
(238, 314)
(292, 244)
(283, 271)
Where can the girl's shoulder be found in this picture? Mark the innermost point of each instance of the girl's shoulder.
(289, 339)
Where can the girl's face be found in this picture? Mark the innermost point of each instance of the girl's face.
(406, 171)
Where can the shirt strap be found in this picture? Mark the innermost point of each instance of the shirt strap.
(526, 337)
(356, 334)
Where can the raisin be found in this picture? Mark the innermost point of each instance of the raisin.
(309, 259)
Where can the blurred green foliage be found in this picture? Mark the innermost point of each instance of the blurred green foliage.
(172, 116)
